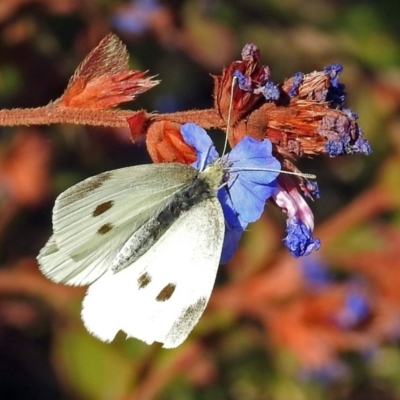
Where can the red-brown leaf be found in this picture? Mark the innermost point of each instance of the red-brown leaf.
(137, 124)
(104, 80)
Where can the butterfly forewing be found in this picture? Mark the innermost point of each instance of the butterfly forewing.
(82, 270)
(174, 280)
(93, 219)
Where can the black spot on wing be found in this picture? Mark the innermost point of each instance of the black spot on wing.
(144, 280)
(105, 229)
(102, 208)
(166, 292)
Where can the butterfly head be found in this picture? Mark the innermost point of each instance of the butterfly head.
(215, 174)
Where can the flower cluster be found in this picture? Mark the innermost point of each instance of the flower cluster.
(302, 116)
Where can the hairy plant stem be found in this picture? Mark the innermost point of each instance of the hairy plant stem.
(54, 114)
(208, 118)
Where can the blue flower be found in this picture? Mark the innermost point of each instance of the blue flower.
(325, 373)
(299, 239)
(249, 181)
(250, 52)
(297, 79)
(315, 272)
(336, 93)
(136, 17)
(244, 82)
(335, 148)
(313, 188)
(266, 87)
(300, 221)
(271, 91)
(334, 70)
(343, 135)
(355, 311)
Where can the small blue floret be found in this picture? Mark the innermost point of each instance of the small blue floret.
(244, 82)
(271, 91)
(299, 239)
(297, 79)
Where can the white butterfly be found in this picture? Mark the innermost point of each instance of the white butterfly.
(161, 295)
(148, 240)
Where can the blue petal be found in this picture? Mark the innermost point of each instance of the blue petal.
(249, 189)
(299, 239)
(312, 186)
(197, 137)
(231, 241)
(252, 153)
(233, 228)
(248, 199)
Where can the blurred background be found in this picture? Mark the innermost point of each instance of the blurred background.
(322, 327)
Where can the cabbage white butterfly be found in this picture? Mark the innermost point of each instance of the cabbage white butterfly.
(148, 239)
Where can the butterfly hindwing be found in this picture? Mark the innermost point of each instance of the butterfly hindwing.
(161, 296)
(93, 219)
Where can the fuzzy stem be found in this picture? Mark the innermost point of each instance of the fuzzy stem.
(208, 118)
(53, 114)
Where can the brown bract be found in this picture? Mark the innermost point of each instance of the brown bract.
(103, 80)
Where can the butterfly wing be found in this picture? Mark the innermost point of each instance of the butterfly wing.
(161, 296)
(93, 219)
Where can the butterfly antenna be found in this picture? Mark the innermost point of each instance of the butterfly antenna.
(300, 174)
(205, 160)
(234, 81)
